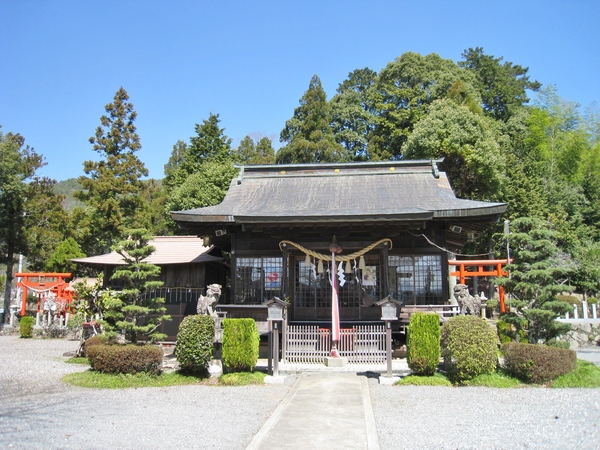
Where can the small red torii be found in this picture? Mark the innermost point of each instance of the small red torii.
(498, 271)
(41, 282)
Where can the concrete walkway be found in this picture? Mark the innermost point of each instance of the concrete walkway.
(323, 410)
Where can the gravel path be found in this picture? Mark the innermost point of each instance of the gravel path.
(38, 411)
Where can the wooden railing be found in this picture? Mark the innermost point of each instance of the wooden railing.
(444, 311)
(310, 344)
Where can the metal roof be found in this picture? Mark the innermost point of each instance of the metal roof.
(344, 192)
(169, 250)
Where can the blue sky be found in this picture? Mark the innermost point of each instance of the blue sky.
(250, 61)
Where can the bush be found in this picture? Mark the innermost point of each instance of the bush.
(423, 343)
(534, 363)
(240, 344)
(129, 358)
(26, 326)
(195, 343)
(99, 339)
(469, 348)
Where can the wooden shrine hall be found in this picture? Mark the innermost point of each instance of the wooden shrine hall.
(394, 222)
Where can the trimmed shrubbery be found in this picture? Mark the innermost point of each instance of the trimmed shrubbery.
(423, 343)
(469, 348)
(99, 339)
(26, 326)
(241, 343)
(125, 358)
(534, 363)
(195, 343)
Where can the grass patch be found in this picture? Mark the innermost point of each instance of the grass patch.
(587, 375)
(93, 379)
(242, 378)
(416, 380)
(494, 380)
(78, 360)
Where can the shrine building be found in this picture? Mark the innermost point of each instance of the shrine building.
(395, 222)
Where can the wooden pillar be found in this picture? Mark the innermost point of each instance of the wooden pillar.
(384, 278)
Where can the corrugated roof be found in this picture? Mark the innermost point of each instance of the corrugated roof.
(347, 192)
(169, 250)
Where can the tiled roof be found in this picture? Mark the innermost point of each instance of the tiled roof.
(348, 192)
(169, 250)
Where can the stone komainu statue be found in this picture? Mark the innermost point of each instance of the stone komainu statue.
(468, 304)
(207, 303)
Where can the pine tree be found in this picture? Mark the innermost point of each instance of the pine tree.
(308, 133)
(537, 276)
(261, 152)
(111, 191)
(138, 312)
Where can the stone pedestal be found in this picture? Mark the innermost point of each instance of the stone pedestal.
(389, 381)
(335, 362)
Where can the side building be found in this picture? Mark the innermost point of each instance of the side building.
(187, 267)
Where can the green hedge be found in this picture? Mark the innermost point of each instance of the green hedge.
(469, 348)
(534, 363)
(241, 343)
(423, 343)
(26, 326)
(125, 358)
(195, 341)
(99, 339)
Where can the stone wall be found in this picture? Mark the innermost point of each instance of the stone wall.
(583, 335)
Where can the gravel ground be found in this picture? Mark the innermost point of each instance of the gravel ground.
(418, 417)
(37, 410)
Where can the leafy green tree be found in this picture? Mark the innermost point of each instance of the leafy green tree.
(209, 144)
(46, 222)
(111, 190)
(18, 165)
(308, 134)
(251, 152)
(555, 131)
(353, 112)
(204, 188)
(202, 171)
(503, 85)
(403, 93)
(153, 217)
(138, 312)
(537, 275)
(60, 260)
(174, 176)
(468, 142)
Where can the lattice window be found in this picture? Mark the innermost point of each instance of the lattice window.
(313, 289)
(416, 279)
(258, 280)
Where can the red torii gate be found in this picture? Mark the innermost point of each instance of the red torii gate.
(44, 282)
(497, 271)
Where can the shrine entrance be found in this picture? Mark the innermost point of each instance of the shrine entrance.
(51, 288)
(484, 268)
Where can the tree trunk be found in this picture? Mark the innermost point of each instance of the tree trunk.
(10, 260)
